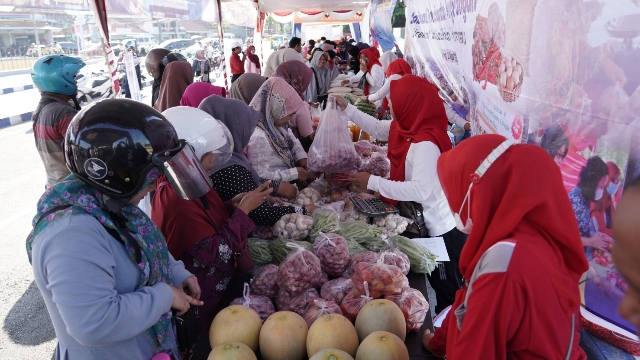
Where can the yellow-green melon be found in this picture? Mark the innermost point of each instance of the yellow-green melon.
(283, 337)
(332, 331)
(381, 315)
(236, 323)
(331, 354)
(382, 345)
(232, 351)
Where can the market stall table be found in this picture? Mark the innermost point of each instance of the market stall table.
(413, 341)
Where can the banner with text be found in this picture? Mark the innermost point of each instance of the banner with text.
(561, 74)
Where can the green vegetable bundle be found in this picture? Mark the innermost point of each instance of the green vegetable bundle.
(358, 231)
(325, 221)
(422, 260)
(376, 244)
(260, 252)
(280, 250)
(354, 247)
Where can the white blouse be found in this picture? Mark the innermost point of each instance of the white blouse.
(266, 161)
(421, 179)
(375, 78)
(384, 90)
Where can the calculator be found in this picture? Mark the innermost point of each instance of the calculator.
(373, 207)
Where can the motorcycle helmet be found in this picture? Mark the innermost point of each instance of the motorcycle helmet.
(202, 131)
(56, 74)
(112, 144)
(153, 62)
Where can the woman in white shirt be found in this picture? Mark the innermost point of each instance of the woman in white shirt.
(273, 150)
(370, 75)
(417, 136)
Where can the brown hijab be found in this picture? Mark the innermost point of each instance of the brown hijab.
(177, 76)
(246, 87)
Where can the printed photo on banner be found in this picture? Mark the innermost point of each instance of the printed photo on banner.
(559, 74)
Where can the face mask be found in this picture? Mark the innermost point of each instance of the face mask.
(464, 228)
(598, 194)
(612, 188)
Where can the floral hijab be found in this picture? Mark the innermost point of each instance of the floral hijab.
(153, 251)
(274, 100)
(295, 73)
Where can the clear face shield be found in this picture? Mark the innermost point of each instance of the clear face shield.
(184, 171)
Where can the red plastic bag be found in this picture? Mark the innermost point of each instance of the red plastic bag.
(264, 283)
(332, 150)
(318, 308)
(299, 270)
(354, 301)
(298, 303)
(397, 258)
(259, 303)
(413, 305)
(383, 279)
(365, 256)
(335, 290)
(333, 252)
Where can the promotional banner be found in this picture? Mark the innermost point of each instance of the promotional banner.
(130, 63)
(381, 11)
(561, 74)
(205, 10)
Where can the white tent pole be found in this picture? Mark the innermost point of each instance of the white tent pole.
(223, 62)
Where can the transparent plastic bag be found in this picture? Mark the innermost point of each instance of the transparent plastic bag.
(299, 270)
(365, 256)
(332, 150)
(318, 308)
(287, 301)
(335, 290)
(378, 164)
(354, 301)
(397, 258)
(264, 281)
(413, 305)
(383, 279)
(293, 226)
(324, 277)
(333, 252)
(322, 186)
(325, 220)
(391, 225)
(307, 196)
(259, 303)
(363, 148)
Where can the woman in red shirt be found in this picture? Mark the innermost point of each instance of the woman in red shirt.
(523, 258)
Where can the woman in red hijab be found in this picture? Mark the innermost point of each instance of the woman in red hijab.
(253, 65)
(523, 258)
(397, 69)
(603, 210)
(370, 78)
(206, 234)
(417, 136)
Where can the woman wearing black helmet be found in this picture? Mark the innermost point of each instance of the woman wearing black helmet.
(102, 266)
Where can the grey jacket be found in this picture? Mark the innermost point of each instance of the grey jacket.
(88, 284)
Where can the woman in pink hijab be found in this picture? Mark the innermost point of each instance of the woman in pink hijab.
(198, 91)
(253, 65)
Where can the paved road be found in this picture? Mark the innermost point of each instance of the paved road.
(27, 332)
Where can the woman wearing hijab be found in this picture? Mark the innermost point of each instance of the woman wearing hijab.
(298, 75)
(603, 210)
(237, 175)
(333, 63)
(273, 150)
(417, 136)
(175, 79)
(278, 57)
(354, 62)
(246, 87)
(201, 66)
(370, 78)
(103, 267)
(555, 142)
(395, 71)
(591, 188)
(386, 59)
(196, 92)
(206, 233)
(253, 65)
(523, 258)
(318, 89)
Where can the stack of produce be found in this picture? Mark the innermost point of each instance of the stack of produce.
(264, 281)
(307, 196)
(280, 250)
(325, 220)
(336, 87)
(293, 226)
(261, 304)
(333, 252)
(391, 225)
(260, 253)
